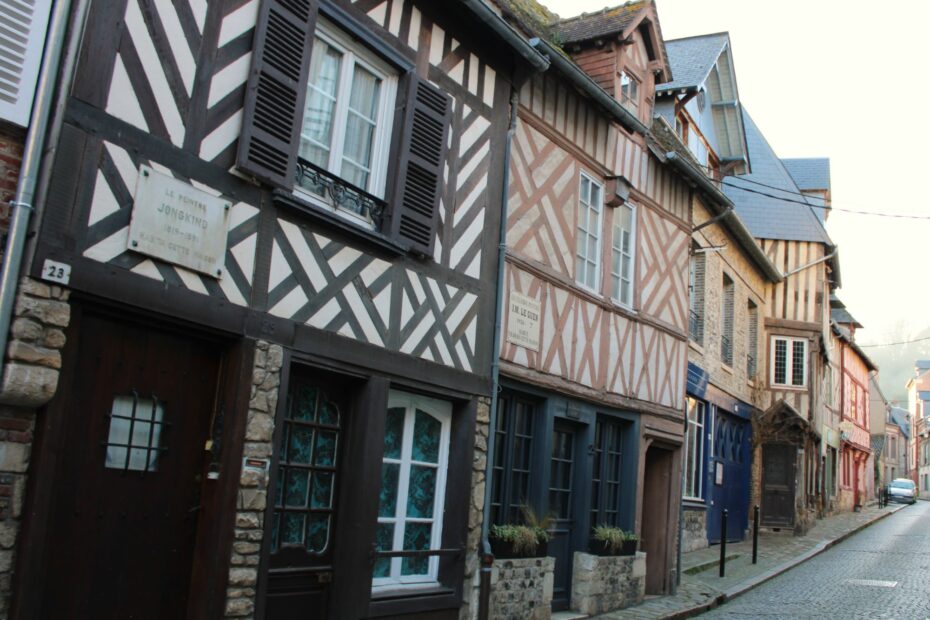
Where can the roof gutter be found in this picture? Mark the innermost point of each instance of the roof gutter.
(733, 222)
(506, 32)
(589, 87)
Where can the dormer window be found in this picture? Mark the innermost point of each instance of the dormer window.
(629, 92)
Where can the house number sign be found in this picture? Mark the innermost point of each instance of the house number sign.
(523, 317)
(178, 223)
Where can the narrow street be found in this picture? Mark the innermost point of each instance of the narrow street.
(878, 573)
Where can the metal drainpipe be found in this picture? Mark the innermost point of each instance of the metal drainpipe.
(21, 205)
(484, 593)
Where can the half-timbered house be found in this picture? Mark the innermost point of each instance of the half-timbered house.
(787, 446)
(589, 426)
(856, 462)
(276, 221)
(728, 282)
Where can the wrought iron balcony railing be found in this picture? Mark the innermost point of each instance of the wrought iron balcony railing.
(750, 366)
(339, 193)
(726, 350)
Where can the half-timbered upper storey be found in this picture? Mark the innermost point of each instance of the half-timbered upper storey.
(598, 228)
(291, 169)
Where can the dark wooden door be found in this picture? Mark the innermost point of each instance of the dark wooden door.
(129, 474)
(562, 511)
(303, 521)
(778, 484)
(656, 535)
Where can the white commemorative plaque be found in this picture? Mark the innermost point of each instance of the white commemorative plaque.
(178, 223)
(523, 314)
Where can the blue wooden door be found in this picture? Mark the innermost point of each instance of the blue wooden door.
(728, 476)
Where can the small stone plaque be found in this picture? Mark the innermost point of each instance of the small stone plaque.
(523, 317)
(178, 223)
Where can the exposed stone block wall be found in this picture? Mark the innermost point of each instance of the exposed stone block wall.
(521, 589)
(33, 363)
(253, 485)
(602, 584)
(469, 608)
(694, 530)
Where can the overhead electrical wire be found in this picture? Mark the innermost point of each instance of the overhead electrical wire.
(891, 344)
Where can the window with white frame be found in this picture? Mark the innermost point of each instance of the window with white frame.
(413, 486)
(347, 118)
(629, 92)
(590, 207)
(694, 457)
(789, 361)
(622, 248)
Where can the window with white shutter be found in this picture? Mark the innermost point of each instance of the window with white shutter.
(23, 25)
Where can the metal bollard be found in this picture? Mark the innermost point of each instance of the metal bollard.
(755, 534)
(723, 543)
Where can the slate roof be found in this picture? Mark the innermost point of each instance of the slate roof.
(692, 59)
(840, 314)
(922, 364)
(767, 216)
(810, 173)
(899, 417)
(606, 22)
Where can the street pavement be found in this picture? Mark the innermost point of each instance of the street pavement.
(702, 589)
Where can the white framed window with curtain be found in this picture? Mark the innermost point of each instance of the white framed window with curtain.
(623, 254)
(588, 242)
(789, 362)
(348, 114)
(413, 488)
(629, 92)
(694, 450)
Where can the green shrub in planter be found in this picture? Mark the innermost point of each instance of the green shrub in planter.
(518, 541)
(608, 540)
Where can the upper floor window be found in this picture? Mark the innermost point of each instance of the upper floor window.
(629, 92)
(326, 103)
(789, 361)
(590, 207)
(752, 353)
(622, 248)
(726, 335)
(696, 295)
(347, 117)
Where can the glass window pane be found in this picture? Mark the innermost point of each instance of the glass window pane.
(384, 539)
(318, 533)
(390, 475)
(301, 444)
(416, 537)
(323, 82)
(325, 455)
(426, 434)
(322, 490)
(393, 433)
(292, 530)
(304, 409)
(298, 487)
(422, 492)
(329, 413)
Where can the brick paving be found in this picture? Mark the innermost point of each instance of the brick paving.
(701, 587)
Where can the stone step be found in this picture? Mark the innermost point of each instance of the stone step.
(708, 564)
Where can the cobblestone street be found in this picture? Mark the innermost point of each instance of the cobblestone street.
(881, 531)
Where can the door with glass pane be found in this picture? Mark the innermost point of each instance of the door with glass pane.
(300, 564)
(562, 465)
(124, 515)
(413, 485)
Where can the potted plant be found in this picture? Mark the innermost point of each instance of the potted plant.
(609, 540)
(529, 540)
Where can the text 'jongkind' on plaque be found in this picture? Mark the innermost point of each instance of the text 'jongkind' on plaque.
(178, 223)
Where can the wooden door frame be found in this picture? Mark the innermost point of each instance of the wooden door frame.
(209, 578)
(673, 452)
(794, 484)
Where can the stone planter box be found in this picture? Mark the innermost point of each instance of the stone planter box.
(605, 583)
(521, 589)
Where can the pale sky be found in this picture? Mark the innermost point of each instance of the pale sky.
(844, 80)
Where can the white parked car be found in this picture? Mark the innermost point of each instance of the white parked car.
(902, 490)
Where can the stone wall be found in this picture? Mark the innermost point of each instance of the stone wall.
(253, 485)
(469, 609)
(12, 139)
(33, 363)
(521, 589)
(602, 584)
(694, 530)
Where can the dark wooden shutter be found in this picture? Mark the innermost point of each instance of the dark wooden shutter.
(274, 104)
(423, 147)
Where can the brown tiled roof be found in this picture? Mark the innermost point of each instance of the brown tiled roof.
(608, 21)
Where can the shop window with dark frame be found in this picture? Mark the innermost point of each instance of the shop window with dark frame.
(332, 114)
(513, 455)
(606, 475)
